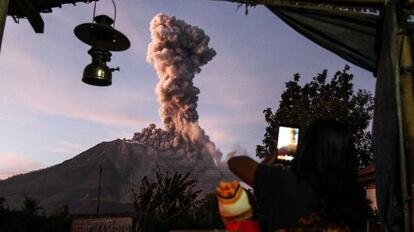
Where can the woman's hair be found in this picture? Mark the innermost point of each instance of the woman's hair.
(327, 159)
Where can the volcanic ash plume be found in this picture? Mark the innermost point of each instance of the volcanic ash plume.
(177, 51)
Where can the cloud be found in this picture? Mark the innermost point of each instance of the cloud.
(138, 40)
(72, 110)
(231, 83)
(68, 148)
(13, 164)
(37, 85)
(219, 136)
(227, 132)
(230, 120)
(238, 150)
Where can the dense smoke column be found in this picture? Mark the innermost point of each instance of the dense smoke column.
(177, 51)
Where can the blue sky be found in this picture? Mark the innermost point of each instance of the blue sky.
(47, 115)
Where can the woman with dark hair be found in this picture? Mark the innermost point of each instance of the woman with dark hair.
(322, 183)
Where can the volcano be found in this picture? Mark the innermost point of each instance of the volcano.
(124, 162)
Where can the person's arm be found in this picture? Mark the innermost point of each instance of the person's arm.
(269, 159)
(243, 167)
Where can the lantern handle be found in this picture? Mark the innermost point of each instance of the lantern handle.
(94, 12)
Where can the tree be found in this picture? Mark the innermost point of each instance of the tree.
(59, 220)
(3, 205)
(319, 98)
(31, 217)
(168, 203)
(31, 206)
(207, 213)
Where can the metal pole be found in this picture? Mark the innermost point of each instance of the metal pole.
(407, 100)
(99, 190)
(4, 8)
(403, 164)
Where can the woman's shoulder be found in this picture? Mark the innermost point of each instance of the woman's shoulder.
(277, 180)
(275, 172)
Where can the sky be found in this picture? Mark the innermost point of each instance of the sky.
(48, 115)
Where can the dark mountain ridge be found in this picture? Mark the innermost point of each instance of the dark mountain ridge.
(74, 182)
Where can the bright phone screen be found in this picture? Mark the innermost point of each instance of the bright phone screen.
(287, 142)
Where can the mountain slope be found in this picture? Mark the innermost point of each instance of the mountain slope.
(124, 162)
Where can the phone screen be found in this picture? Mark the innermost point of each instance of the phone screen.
(287, 142)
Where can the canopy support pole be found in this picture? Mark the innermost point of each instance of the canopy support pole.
(4, 8)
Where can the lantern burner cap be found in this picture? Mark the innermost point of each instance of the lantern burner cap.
(104, 20)
(101, 35)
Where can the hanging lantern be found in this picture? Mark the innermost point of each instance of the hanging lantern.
(103, 38)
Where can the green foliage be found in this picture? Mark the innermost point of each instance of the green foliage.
(171, 202)
(31, 206)
(59, 220)
(334, 99)
(32, 218)
(3, 205)
(207, 213)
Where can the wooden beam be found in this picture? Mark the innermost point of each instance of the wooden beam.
(31, 14)
(4, 7)
(350, 3)
(409, 4)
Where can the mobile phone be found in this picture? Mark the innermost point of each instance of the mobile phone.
(287, 142)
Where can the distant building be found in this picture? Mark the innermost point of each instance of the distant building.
(104, 223)
(367, 177)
